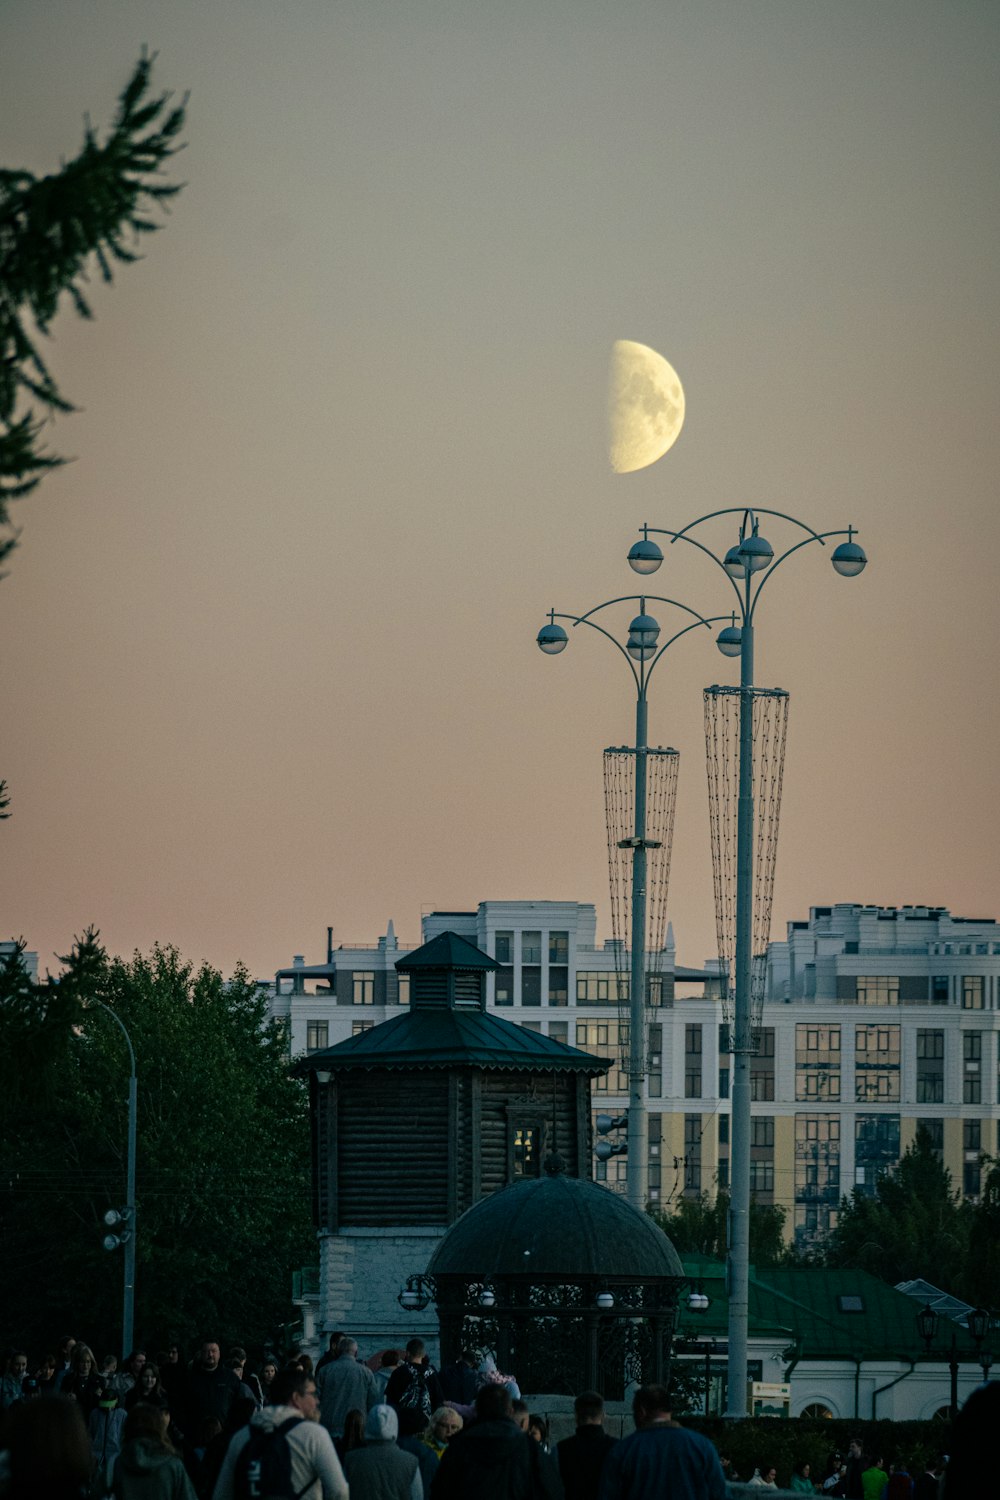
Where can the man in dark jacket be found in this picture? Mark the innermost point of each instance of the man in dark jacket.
(660, 1458)
(211, 1389)
(581, 1457)
(493, 1459)
(415, 1382)
(460, 1381)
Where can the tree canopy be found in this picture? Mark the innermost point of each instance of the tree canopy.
(697, 1226)
(222, 1183)
(914, 1225)
(53, 230)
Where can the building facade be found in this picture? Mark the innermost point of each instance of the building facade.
(876, 1021)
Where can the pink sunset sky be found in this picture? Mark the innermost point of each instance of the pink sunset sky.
(267, 645)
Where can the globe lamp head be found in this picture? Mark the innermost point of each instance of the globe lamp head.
(644, 556)
(552, 639)
(849, 560)
(756, 552)
(730, 640)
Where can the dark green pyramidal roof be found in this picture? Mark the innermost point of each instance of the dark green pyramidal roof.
(447, 951)
(448, 1039)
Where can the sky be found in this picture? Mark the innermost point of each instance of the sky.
(267, 645)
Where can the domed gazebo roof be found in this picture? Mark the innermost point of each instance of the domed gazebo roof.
(555, 1226)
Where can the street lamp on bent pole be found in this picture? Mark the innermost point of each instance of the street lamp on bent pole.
(744, 562)
(641, 653)
(124, 1236)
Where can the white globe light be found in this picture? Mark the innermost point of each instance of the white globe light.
(644, 556)
(849, 560)
(734, 564)
(605, 1301)
(552, 639)
(730, 640)
(756, 552)
(487, 1298)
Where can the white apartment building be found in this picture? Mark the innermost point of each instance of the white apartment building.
(876, 1020)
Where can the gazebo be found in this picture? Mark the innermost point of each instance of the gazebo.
(563, 1282)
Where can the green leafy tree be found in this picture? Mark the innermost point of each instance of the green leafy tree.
(916, 1224)
(53, 231)
(697, 1226)
(222, 1181)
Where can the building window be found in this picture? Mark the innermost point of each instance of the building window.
(655, 1062)
(531, 986)
(972, 1135)
(525, 1151)
(762, 1131)
(503, 944)
(817, 1176)
(972, 992)
(877, 989)
(535, 1026)
(971, 1179)
(692, 1155)
(940, 990)
(817, 1062)
(876, 1063)
(503, 992)
(876, 1149)
(357, 1027)
(602, 1039)
(363, 988)
(930, 1067)
(531, 947)
(595, 988)
(403, 989)
(762, 1177)
(762, 1066)
(559, 1032)
(654, 991)
(317, 1035)
(972, 1059)
(935, 1135)
(558, 947)
(692, 1062)
(558, 985)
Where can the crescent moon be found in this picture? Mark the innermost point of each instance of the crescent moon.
(645, 406)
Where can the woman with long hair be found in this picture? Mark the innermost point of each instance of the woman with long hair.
(83, 1382)
(149, 1467)
(353, 1435)
(147, 1389)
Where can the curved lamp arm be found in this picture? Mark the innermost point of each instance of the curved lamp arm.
(583, 620)
(816, 536)
(713, 620)
(121, 1024)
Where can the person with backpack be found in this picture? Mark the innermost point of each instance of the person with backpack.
(414, 1385)
(284, 1453)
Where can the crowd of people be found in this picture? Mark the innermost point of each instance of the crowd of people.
(391, 1428)
(857, 1476)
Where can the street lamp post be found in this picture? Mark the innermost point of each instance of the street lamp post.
(978, 1323)
(641, 653)
(126, 1235)
(750, 557)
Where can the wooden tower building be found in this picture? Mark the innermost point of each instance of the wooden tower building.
(417, 1119)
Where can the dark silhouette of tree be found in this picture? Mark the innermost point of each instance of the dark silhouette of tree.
(53, 230)
(915, 1225)
(697, 1226)
(222, 1180)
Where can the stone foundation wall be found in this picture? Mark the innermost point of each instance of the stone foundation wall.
(361, 1274)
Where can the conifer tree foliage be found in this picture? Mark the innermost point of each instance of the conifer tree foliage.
(222, 1182)
(53, 231)
(697, 1226)
(915, 1225)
